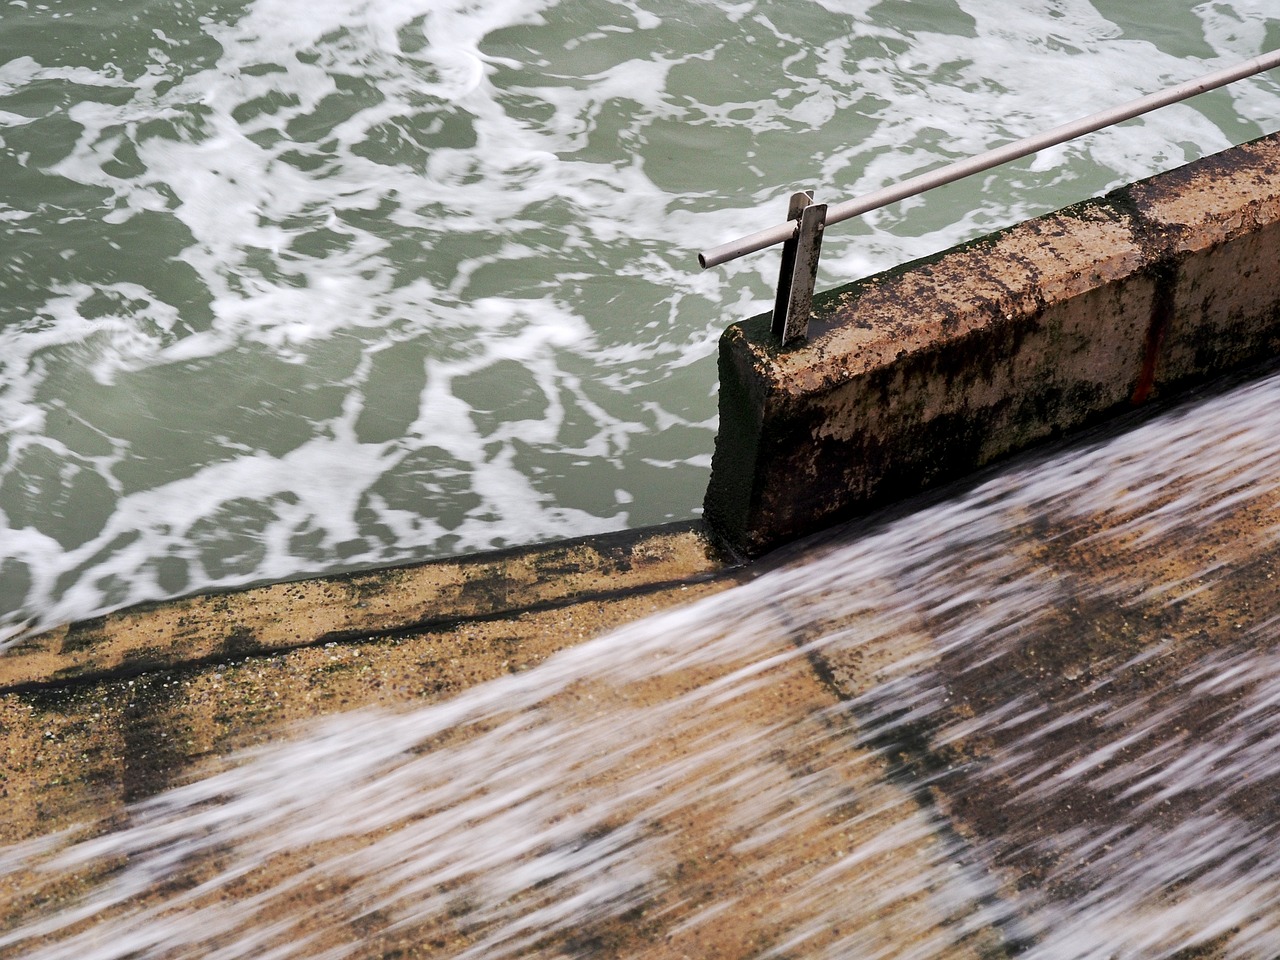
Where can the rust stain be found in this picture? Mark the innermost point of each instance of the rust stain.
(1157, 330)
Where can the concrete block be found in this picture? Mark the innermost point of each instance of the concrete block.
(932, 370)
(1216, 224)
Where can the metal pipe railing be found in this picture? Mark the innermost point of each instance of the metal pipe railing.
(848, 209)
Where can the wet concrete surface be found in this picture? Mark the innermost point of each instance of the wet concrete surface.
(80, 752)
(95, 715)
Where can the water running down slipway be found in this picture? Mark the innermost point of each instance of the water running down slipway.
(1058, 732)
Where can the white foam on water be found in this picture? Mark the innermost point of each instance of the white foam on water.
(413, 202)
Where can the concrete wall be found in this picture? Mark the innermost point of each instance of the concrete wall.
(926, 372)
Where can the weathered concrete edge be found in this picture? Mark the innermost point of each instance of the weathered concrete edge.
(927, 372)
(363, 605)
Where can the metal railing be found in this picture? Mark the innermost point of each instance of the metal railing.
(801, 234)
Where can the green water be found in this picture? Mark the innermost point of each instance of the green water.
(291, 288)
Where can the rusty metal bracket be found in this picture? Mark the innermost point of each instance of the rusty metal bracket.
(794, 300)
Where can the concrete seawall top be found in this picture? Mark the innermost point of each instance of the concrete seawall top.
(926, 372)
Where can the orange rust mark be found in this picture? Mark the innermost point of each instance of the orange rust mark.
(1161, 312)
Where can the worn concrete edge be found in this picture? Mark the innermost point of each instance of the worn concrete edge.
(364, 605)
(929, 371)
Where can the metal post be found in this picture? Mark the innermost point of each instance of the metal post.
(793, 302)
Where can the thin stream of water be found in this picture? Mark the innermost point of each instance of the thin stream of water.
(1056, 732)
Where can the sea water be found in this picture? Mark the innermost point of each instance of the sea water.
(291, 288)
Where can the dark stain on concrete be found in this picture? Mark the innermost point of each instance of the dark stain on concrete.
(84, 635)
(732, 492)
(1165, 274)
(151, 751)
(240, 642)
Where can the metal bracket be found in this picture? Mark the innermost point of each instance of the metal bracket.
(794, 300)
